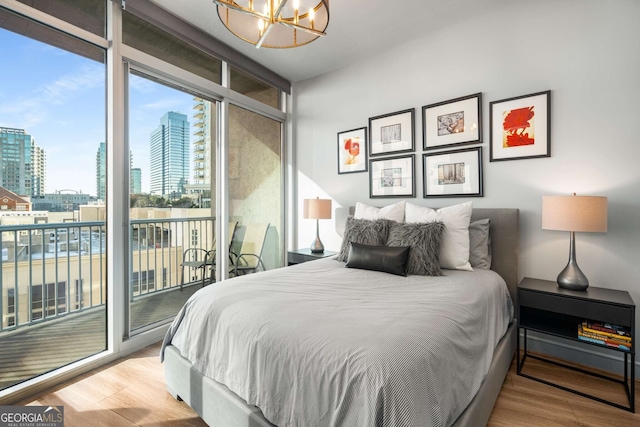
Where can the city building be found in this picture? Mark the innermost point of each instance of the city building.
(101, 172)
(169, 153)
(203, 173)
(60, 201)
(39, 168)
(10, 201)
(22, 163)
(135, 183)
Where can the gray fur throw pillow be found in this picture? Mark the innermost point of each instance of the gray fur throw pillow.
(424, 239)
(365, 232)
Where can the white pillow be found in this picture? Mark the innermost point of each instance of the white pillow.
(454, 251)
(394, 212)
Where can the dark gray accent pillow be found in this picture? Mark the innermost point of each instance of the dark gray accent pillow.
(425, 239)
(480, 244)
(379, 258)
(365, 232)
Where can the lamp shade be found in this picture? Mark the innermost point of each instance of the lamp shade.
(317, 209)
(574, 213)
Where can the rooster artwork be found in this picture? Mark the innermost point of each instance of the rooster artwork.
(352, 146)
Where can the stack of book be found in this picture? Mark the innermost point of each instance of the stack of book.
(605, 334)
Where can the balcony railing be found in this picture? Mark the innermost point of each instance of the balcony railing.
(48, 271)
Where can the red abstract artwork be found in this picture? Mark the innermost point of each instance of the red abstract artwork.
(518, 127)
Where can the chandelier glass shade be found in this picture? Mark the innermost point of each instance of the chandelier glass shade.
(275, 23)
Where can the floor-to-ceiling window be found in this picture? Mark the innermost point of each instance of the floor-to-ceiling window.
(255, 189)
(172, 139)
(53, 294)
(130, 133)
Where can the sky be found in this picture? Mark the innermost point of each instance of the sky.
(59, 98)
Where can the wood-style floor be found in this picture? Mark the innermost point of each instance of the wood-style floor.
(131, 392)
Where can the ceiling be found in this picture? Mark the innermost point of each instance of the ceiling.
(357, 29)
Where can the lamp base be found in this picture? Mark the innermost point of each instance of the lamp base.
(572, 277)
(317, 247)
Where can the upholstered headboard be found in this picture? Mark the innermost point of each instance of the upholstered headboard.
(505, 242)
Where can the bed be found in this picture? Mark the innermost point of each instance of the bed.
(332, 389)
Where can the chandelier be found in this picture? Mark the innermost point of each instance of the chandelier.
(275, 23)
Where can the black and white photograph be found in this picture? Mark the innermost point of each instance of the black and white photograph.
(391, 133)
(453, 173)
(451, 123)
(454, 122)
(392, 177)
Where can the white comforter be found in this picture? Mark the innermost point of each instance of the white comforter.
(318, 344)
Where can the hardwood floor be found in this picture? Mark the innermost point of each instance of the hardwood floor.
(131, 392)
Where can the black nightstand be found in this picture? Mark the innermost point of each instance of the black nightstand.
(546, 308)
(298, 256)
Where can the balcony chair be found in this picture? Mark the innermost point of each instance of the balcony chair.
(203, 259)
(249, 260)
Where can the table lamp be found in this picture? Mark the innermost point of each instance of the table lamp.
(317, 209)
(574, 213)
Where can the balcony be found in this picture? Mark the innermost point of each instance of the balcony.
(53, 288)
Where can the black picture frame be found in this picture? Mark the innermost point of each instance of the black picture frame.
(392, 133)
(451, 123)
(454, 173)
(514, 141)
(392, 177)
(350, 161)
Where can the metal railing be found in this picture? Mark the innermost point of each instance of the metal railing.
(158, 247)
(51, 270)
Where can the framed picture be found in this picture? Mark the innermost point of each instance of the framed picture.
(453, 173)
(392, 177)
(392, 133)
(352, 151)
(520, 127)
(454, 122)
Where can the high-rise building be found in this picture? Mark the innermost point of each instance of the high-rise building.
(203, 150)
(169, 153)
(22, 163)
(135, 183)
(39, 167)
(101, 172)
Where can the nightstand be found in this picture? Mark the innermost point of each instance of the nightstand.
(545, 308)
(298, 256)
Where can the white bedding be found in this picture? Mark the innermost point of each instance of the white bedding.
(318, 344)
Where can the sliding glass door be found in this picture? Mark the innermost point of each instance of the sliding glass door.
(172, 138)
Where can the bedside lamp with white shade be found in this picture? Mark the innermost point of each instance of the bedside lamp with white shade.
(317, 209)
(574, 213)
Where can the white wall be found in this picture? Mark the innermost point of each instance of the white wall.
(587, 52)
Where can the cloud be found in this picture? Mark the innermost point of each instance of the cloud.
(140, 84)
(87, 78)
(29, 110)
